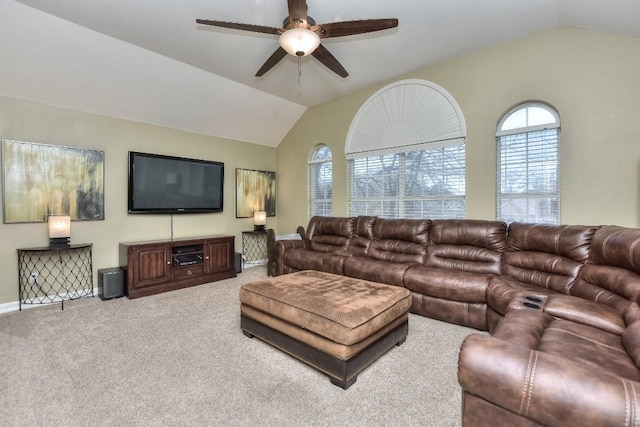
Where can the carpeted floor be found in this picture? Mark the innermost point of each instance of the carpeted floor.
(180, 358)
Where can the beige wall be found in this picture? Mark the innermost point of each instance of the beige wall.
(590, 78)
(25, 121)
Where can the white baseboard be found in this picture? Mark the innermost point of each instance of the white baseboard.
(9, 306)
(15, 305)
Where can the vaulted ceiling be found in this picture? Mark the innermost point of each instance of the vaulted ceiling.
(148, 60)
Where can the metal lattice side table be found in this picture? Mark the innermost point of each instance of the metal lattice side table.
(254, 248)
(47, 275)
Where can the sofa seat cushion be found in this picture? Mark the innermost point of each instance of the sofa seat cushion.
(579, 343)
(448, 284)
(389, 272)
(589, 346)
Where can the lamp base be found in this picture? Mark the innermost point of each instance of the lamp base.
(59, 242)
(259, 228)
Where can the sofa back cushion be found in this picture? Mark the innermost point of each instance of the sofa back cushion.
(329, 234)
(359, 245)
(399, 240)
(544, 255)
(468, 245)
(612, 273)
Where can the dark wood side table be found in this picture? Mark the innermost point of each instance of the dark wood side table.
(47, 275)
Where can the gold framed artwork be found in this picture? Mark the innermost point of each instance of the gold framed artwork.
(41, 180)
(255, 191)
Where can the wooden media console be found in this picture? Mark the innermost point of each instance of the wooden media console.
(160, 266)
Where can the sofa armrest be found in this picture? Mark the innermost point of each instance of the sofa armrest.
(548, 389)
(279, 248)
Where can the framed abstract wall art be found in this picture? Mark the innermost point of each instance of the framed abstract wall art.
(255, 191)
(41, 180)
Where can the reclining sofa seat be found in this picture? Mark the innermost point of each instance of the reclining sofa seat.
(569, 362)
(395, 246)
(462, 256)
(324, 237)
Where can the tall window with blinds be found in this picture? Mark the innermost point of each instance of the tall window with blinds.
(425, 183)
(320, 181)
(405, 153)
(527, 141)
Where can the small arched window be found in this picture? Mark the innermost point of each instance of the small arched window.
(527, 142)
(320, 182)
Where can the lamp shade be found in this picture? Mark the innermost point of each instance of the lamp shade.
(299, 42)
(59, 230)
(259, 218)
(59, 226)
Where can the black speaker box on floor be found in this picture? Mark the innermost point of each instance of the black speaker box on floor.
(238, 260)
(110, 283)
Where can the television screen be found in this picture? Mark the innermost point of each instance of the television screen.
(165, 184)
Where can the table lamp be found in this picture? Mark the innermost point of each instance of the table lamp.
(59, 230)
(259, 220)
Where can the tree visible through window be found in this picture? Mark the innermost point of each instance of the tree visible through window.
(405, 153)
(428, 183)
(320, 182)
(527, 142)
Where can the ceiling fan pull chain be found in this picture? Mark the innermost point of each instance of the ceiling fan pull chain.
(299, 71)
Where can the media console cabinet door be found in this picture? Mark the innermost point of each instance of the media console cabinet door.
(219, 255)
(151, 265)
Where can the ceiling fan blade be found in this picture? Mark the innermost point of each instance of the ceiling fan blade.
(330, 61)
(238, 26)
(349, 28)
(297, 10)
(272, 61)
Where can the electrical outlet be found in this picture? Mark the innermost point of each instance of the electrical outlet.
(33, 277)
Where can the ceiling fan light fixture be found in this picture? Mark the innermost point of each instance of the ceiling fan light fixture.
(299, 41)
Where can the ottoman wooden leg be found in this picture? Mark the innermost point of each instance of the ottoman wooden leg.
(343, 384)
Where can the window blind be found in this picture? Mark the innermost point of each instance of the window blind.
(528, 184)
(320, 183)
(426, 183)
(405, 153)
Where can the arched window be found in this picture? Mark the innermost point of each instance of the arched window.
(527, 143)
(406, 154)
(320, 181)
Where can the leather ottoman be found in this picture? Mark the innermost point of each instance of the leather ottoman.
(336, 324)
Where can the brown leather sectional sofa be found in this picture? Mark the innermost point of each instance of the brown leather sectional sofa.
(560, 303)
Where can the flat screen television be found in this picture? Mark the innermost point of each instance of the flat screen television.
(166, 184)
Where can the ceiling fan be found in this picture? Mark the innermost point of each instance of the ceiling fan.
(300, 35)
